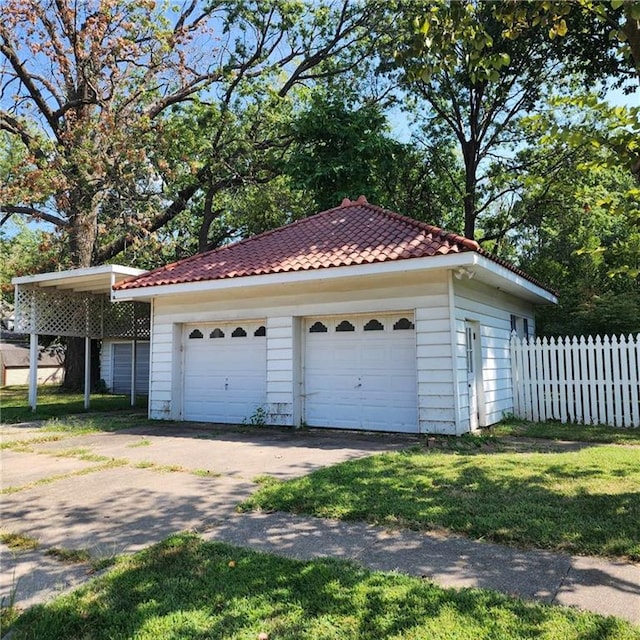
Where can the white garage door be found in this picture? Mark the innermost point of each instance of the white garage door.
(360, 373)
(225, 371)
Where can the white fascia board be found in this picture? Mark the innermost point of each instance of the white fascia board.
(290, 277)
(514, 283)
(66, 278)
(488, 271)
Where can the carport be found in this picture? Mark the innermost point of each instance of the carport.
(77, 304)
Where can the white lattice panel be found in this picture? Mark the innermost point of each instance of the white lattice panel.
(127, 320)
(65, 313)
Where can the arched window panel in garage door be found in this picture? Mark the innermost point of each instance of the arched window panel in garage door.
(224, 377)
(361, 379)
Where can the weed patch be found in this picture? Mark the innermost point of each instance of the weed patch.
(72, 556)
(18, 542)
(111, 464)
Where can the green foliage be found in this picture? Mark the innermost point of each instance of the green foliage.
(126, 113)
(580, 501)
(581, 234)
(186, 589)
(342, 150)
(24, 251)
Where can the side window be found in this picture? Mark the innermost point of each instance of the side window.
(520, 326)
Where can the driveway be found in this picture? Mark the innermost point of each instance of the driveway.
(116, 492)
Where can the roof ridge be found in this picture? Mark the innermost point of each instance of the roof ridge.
(430, 228)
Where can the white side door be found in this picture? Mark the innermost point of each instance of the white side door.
(472, 373)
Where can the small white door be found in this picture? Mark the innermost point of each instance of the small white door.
(472, 373)
(225, 371)
(360, 373)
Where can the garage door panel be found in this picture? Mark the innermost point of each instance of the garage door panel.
(224, 376)
(361, 379)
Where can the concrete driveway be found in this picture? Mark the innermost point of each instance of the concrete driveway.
(116, 492)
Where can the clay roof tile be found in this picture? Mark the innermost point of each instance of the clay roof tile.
(356, 232)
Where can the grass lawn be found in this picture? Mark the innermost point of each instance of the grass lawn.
(584, 500)
(187, 589)
(575, 432)
(14, 403)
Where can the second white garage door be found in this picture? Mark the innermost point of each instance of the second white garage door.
(225, 371)
(360, 373)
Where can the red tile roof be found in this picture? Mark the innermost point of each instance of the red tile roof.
(353, 233)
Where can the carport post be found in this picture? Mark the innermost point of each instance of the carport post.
(134, 349)
(33, 371)
(87, 371)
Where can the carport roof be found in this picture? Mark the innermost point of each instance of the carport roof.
(97, 280)
(355, 233)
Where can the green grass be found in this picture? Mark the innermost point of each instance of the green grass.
(111, 464)
(571, 432)
(14, 405)
(144, 442)
(18, 542)
(71, 556)
(187, 589)
(584, 501)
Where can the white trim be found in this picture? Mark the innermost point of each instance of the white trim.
(33, 371)
(453, 337)
(499, 276)
(87, 372)
(94, 279)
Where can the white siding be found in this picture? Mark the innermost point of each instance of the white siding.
(436, 406)
(492, 309)
(280, 370)
(283, 307)
(442, 391)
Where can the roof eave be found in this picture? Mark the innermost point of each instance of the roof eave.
(507, 279)
(98, 279)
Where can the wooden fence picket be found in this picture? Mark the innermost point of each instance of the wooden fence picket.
(588, 381)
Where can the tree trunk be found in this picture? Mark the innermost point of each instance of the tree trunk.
(470, 167)
(82, 242)
(74, 365)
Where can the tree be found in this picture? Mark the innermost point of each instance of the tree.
(480, 65)
(476, 83)
(343, 150)
(87, 90)
(581, 238)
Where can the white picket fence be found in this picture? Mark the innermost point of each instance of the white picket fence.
(583, 380)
